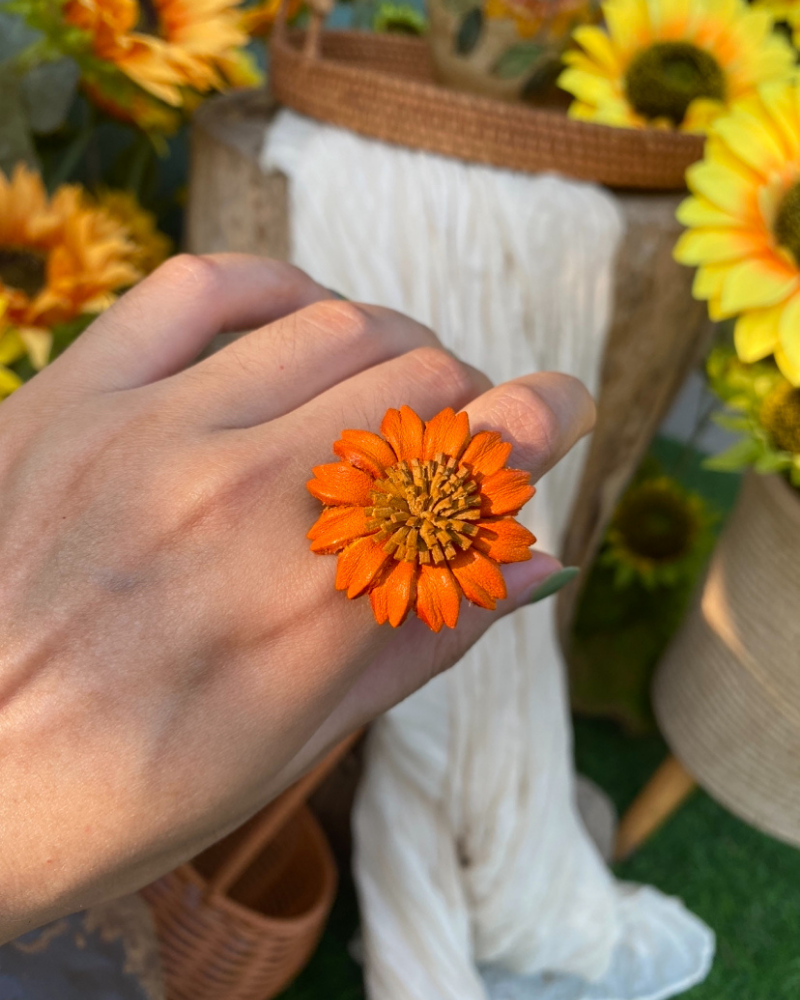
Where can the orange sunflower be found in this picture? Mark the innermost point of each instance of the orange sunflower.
(421, 516)
(59, 257)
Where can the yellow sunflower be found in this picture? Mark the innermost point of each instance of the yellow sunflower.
(165, 45)
(555, 19)
(59, 258)
(785, 12)
(150, 247)
(12, 349)
(671, 63)
(744, 225)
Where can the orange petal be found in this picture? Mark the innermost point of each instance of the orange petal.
(505, 541)
(479, 577)
(392, 597)
(366, 451)
(358, 565)
(403, 430)
(438, 597)
(505, 492)
(339, 483)
(335, 527)
(447, 432)
(486, 453)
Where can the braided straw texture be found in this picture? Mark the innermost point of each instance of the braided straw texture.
(249, 943)
(383, 86)
(727, 695)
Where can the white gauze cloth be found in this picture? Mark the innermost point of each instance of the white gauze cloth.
(476, 876)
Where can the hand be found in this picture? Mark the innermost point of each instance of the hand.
(171, 653)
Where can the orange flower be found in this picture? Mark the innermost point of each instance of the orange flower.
(421, 516)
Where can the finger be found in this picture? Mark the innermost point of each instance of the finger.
(427, 379)
(413, 656)
(279, 367)
(542, 415)
(162, 324)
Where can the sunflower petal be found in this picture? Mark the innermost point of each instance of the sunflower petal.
(505, 492)
(504, 541)
(365, 451)
(403, 430)
(337, 527)
(358, 565)
(438, 597)
(696, 211)
(479, 578)
(790, 332)
(447, 433)
(486, 453)
(756, 334)
(716, 246)
(789, 370)
(338, 483)
(760, 281)
(392, 596)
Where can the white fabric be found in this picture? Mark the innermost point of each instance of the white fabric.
(476, 876)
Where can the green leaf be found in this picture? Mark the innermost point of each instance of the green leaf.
(517, 60)
(16, 140)
(469, 31)
(48, 92)
(772, 462)
(739, 456)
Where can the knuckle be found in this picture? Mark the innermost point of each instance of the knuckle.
(530, 420)
(347, 321)
(444, 373)
(200, 273)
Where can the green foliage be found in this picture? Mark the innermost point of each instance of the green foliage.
(469, 31)
(517, 60)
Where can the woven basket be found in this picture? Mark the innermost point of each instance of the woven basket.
(383, 86)
(727, 694)
(241, 921)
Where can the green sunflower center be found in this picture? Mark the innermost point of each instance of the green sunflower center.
(656, 523)
(780, 415)
(664, 79)
(787, 222)
(23, 269)
(424, 510)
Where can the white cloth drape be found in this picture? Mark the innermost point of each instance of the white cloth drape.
(476, 876)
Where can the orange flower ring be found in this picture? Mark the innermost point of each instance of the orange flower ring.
(421, 516)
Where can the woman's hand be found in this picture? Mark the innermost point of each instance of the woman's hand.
(171, 653)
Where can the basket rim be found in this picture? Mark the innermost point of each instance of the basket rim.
(289, 59)
(187, 873)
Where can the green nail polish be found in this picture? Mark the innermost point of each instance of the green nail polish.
(555, 582)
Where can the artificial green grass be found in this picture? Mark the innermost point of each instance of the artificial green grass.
(745, 885)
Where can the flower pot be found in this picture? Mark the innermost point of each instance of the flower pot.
(727, 694)
(503, 48)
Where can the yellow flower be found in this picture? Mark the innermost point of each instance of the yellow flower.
(554, 19)
(59, 258)
(258, 20)
(150, 247)
(11, 349)
(784, 12)
(671, 63)
(744, 225)
(166, 45)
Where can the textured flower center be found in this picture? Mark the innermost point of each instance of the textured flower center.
(23, 269)
(787, 222)
(663, 80)
(424, 510)
(656, 524)
(780, 415)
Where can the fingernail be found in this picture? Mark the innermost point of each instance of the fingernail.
(338, 295)
(555, 582)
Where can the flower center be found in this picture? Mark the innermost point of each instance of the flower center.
(663, 80)
(780, 415)
(424, 510)
(23, 269)
(787, 222)
(656, 524)
(148, 23)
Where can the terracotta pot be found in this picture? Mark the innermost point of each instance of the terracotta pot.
(503, 48)
(727, 695)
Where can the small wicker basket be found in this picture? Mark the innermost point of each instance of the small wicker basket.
(384, 86)
(241, 920)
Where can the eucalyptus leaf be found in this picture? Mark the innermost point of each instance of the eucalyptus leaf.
(16, 140)
(469, 31)
(48, 92)
(517, 60)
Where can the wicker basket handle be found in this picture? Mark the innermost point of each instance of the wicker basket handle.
(319, 11)
(275, 816)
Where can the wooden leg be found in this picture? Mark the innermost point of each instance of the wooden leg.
(669, 787)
